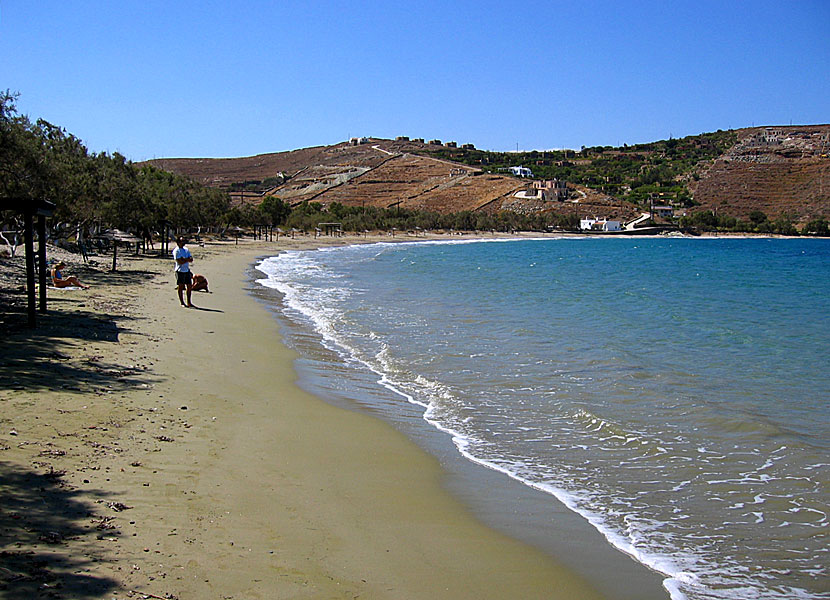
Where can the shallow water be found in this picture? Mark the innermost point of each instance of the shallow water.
(672, 392)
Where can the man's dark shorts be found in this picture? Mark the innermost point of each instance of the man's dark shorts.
(184, 278)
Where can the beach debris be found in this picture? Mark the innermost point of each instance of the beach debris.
(103, 523)
(51, 537)
(55, 475)
(135, 463)
(53, 452)
(13, 432)
(118, 506)
(164, 438)
(146, 595)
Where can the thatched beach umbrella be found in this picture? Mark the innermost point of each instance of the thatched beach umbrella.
(237, 231)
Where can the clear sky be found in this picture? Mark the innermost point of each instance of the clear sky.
(180, 78)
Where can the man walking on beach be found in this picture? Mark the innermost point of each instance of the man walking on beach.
(184, 278)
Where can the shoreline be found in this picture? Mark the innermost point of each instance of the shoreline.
(177, 458)
(536, 516)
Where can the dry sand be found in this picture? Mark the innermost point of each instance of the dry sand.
(147, 450)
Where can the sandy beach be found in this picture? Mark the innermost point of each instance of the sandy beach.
(152, 451)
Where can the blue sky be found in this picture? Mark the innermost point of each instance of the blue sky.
(208, 79)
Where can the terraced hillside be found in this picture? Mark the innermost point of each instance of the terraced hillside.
(417, 182)
(224, 172)
(379, 173)
(781, 171)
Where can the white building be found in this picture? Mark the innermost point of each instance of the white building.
(521, 171)
(601, 224)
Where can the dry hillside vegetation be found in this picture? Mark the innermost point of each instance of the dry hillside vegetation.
(781, 171)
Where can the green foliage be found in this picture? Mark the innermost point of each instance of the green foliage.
(758, 223)
(757, 217)
(308, 216)
(42, 161)
(634, 173)
(23, 169)
(274, 211)
(817, 227)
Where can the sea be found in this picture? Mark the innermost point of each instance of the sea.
(674, 393)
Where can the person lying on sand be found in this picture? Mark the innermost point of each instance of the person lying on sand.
(200, 283)
(60, 281)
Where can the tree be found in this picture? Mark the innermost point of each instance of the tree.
(23, 168)
(757, 217)
(817, 227)
(274, 210)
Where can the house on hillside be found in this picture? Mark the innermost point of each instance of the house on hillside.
(664, 212)
(356, 141)
(767, 137)
(551, 190)
(599, 224)
(521, 171)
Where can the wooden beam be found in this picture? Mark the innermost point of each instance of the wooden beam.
(29, 235)
(29, 208)
(41, 255)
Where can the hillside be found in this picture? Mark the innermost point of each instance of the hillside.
(781, 171)
(384, 174)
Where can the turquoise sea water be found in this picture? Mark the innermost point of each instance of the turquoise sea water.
(673, 392)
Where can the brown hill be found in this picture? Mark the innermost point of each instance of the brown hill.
(378, 173)
(781, 171)
(381, 173)
(223, 172)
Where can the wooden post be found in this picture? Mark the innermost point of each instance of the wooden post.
(41, 255)
(30, 266)
(114, 253)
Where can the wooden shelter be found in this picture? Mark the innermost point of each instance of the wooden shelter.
(332, 228)
(30, 209)
(117, 236)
